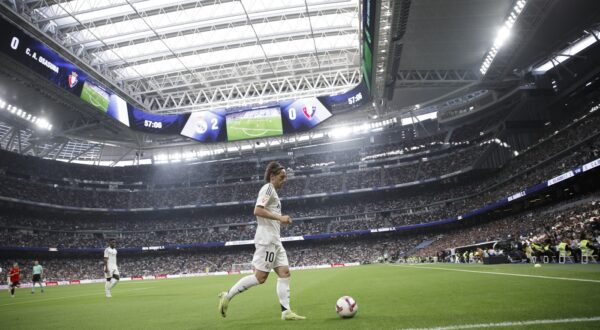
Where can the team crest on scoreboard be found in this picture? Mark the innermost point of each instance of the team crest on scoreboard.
(73, 80)
(309, 114)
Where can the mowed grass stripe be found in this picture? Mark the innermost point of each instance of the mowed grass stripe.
(388, 298)
(513, 324)
(418, 266)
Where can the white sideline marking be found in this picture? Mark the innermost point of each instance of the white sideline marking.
(100, 293)
(512, 323)
(511, 274)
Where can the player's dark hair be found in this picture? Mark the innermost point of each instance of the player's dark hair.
(272, 169)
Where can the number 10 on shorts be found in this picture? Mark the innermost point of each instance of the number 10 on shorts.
(270, 256)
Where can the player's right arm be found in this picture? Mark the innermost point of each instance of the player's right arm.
(264, 196)
(260, 211)
(106, 261)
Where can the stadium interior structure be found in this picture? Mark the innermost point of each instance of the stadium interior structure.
(477, 123)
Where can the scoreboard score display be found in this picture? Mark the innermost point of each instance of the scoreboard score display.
(38, 57)
(206, 126)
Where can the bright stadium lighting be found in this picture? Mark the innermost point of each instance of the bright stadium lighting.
(502, 35)
(565, 54)
(340, 132)
(413, 120)
(42, 123)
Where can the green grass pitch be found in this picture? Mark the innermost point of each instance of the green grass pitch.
(251, 128)
(94, 98)
(389, 297)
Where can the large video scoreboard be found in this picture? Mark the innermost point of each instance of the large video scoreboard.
(217, 125)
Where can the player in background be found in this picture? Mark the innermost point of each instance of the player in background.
(269, 253)
(14, 275)
(111, 272)
(38, 273)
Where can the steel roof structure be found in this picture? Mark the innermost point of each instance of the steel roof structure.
(180, 56)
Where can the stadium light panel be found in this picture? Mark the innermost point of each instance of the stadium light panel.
(413, 120)
(340, 132)
(502, 35)
(189, 155)
(568, 52)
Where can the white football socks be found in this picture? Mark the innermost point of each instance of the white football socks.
(113, 282)
(242, 285)
(283, 292)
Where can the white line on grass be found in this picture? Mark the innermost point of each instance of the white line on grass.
(511, 274)
(513, 323)
(100, 293)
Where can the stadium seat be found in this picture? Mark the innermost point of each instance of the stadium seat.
(586, 255)
(563, 256)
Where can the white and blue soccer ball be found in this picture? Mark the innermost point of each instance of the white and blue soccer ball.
(346, 307)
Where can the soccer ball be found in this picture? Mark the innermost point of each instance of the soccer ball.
(346, 307)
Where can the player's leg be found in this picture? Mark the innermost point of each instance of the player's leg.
(115, 278)
(107, 284)
(281, 267)
(107, 287)
(245, 283)
(13, 286)
(262, 267)
(33, 285)
(283, 287)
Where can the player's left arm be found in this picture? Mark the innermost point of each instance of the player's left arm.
(260, 211)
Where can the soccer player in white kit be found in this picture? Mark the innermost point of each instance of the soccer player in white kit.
(111, 272)
(269, 253)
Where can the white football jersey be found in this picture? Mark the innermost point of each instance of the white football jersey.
(111, 254)
(267, 230)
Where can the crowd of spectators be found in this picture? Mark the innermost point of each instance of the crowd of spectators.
(543, 226)
(345, 214)
(575, 144)
(581, 136)
(333, 251)
(557, 224)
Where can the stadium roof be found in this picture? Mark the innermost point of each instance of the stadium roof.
(181, 56)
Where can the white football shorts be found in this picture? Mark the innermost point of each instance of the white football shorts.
(269, 256)
(111, 271)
